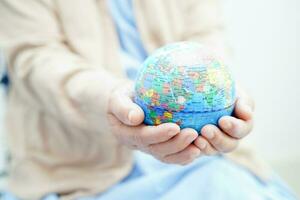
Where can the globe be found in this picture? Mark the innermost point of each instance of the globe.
(184, 83)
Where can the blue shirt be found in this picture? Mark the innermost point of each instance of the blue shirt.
(132, 51)
(3, 73)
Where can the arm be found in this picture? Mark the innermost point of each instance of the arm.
(45, 72)
(206, 26)
(52, 78)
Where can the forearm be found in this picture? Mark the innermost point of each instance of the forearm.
(44, 70)
(60, 83)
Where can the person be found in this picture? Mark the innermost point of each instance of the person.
(71, 120)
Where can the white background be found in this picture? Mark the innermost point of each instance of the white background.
(264, 35)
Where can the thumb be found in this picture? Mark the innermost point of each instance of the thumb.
(122, 106)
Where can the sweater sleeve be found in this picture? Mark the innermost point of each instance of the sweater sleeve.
(43, 70)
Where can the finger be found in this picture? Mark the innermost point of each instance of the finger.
(176, 144)
(143, 135)
(183, 157)
(156, 134)
(122, 106)
(243, 95)
(243, 110)
(204, 146)
(219, 140)
(234, 127)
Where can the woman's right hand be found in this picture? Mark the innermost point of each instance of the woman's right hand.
(165, 142)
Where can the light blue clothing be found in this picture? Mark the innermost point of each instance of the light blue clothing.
(3, 71)
(209, 178)
(132, 49)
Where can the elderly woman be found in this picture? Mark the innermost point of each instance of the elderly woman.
(70, 118)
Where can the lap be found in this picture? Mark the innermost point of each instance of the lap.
(207, 178)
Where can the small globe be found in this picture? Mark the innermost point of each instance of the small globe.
(184, 83)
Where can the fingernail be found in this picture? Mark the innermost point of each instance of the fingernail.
(171, 132)
(209, 134)
(190, 138)
(202, 144)
(196, 154)
(131, 115)
(227, 125)
(248, 109)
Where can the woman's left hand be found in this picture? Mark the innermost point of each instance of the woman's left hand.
(225, 138)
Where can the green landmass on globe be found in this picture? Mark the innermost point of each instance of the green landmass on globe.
(184, 83)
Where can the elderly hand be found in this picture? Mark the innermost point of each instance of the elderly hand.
(224, 139)
(165, 142)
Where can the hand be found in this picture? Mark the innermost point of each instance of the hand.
(165, 142)
(225, 139)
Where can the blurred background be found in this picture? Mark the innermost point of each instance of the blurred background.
(264, 36)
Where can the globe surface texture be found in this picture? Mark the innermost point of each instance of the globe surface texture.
(184, 83)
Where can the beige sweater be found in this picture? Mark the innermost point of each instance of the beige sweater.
(63, 63)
